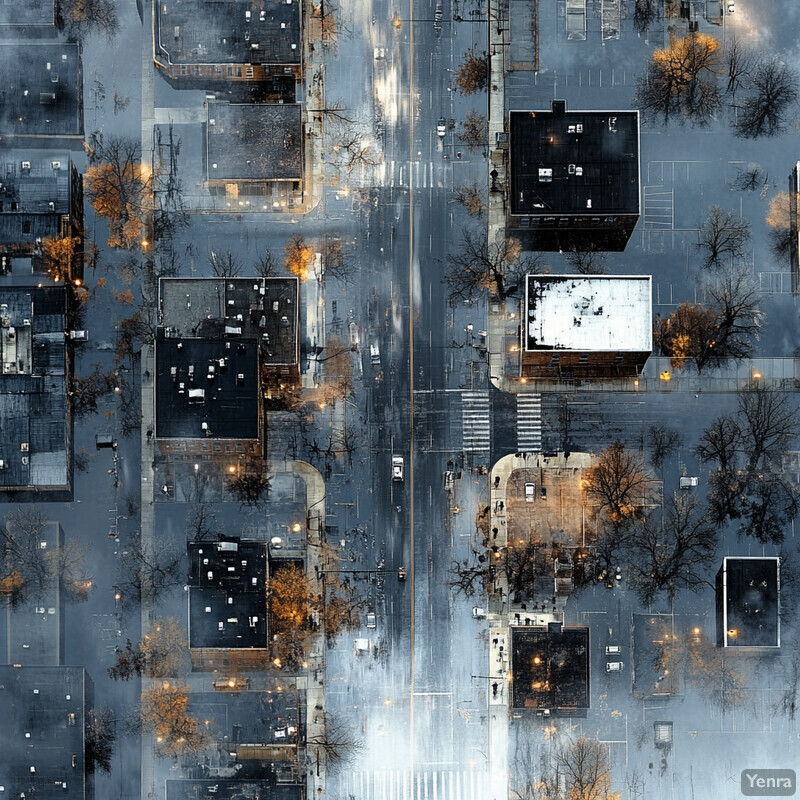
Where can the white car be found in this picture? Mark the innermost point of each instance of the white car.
(479, 613)
(612, 650)
(614, 666)
(371, 620)
(731, 8)
(398, 468)
(530, 492)
(441, 128)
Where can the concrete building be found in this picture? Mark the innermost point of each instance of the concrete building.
(550, 669)
(573, 178)
(43, 710)
(41, 197)
(34, 628)
(748, 591)
(201, 44)
(224, 341)
(36, 435)
(227, 605)
(255, 150)
(41, 104)
(577, 327)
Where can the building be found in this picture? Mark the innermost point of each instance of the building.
(34, 634)
(748, 591)
(578, 326)
(41, 197)
(35, 437)
(201, 44)
(227, 605)
(44, 722)
(794, 226)
(224, 341)
(550, 669)
(28, 19)
(41, 101)
(255, 149)
(573, 178)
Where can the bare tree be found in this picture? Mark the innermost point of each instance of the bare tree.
(739, 64)
(267, 265)
(100, 734)
(82, 18)
(645, 13)
(475, 131)
(576, 769)
(146, 573)
(337, 746)
(586, 262)
(249, 488)
(338, 260)
(226, 266)
(661, 441)
(723, 236)
(780, 226)
(769, 421)
(789, 697)
(618, 482)
(768, 507)
(720, 441)
(772, 91)
(201, 522)
(473, 73)
(677, 552)
(749, 179)
(499, 267)
(475, 574)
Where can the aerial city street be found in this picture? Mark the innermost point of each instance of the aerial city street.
(399, 399)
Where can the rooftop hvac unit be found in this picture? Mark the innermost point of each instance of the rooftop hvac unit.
(47, 98)
(228, 547)
(197, 396)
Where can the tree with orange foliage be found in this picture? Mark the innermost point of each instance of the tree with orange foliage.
(618, 482)
(780, 226)
(473, 73)
(62, 257)
(164, 713)
(118, 186)
(681, 81)
(297, 257)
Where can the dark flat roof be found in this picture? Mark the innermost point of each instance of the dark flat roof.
(248, 717)
(233, 789)
(17, 13)
(35, 189)
(268, 308)
(33, 375)
(560, 679)
(219, 32)
(227, 594)
(592, 158)
(42, 89)
(255, 142)
(230, 401)
(36, 628)
(750, 602)
(48, 703)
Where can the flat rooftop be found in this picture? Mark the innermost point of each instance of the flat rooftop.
(264, 309)
(587, 314)
(35, 192)
(228, 32)
(33, 378)
(227, 594)
(748, 597)
(550, 668)
(35, 629)
(18, 13)
(254, 142)
(43, 710)
(212, 381)
(42, 89)
(574, 162)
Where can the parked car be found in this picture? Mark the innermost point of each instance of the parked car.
(372, 621)
(731, 7)
(688, 483)
(441, 127)
(398, 468)
(614, 666)
(449, 477)
(375, 354)
(479, 613)
(613, 650)
(530, 492)
(401, 574)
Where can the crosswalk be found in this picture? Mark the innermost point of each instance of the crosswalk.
(426, 785)
(529, 423)
(475, 422)
(424, 174)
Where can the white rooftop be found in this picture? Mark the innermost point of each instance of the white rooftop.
(589, 314)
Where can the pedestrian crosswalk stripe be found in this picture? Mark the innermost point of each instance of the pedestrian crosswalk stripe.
(475, 422)
(425, 785)
(529, 423)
